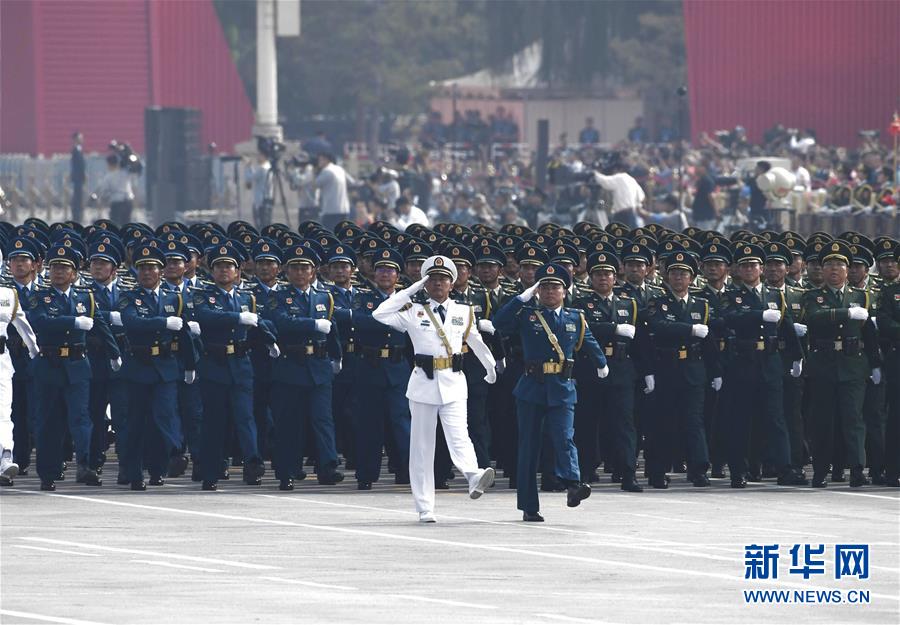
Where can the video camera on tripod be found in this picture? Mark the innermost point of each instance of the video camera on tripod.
(128, 160)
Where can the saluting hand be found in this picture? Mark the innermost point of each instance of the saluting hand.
(528, 293)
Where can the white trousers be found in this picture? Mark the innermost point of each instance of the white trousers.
(6, 391)
(421, 447)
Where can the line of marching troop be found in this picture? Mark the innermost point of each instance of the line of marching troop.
(749, 356)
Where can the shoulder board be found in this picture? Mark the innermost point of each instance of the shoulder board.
(406, 306)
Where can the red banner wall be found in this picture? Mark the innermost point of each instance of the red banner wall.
(830, 66)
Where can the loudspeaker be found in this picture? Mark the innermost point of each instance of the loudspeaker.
(177, 167)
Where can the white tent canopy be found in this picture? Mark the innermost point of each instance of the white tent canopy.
(523, 71)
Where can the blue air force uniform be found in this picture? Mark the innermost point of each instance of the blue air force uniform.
(546, 391)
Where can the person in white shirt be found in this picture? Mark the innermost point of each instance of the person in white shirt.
(804, 181)
(627, 196)
(11, 313)
(115, 188)
(332, 180)
(437, 386)
(408, 214)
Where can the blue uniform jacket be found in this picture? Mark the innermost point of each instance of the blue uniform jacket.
(259, 355)
(53, 321)
(145, 326)
(96, 351)
(371, 334)
(220, 328)
(573, 334)
(296, 330)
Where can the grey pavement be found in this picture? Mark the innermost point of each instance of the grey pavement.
(175, 554)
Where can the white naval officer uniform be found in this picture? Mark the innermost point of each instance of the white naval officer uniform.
(10, 313)
(445, 395)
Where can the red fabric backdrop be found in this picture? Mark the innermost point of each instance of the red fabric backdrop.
(830, 66)
(95, 66)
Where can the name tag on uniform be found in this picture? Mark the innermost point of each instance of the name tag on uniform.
(477, 308)
(169, 308)
(457, 321)
(795, 306)
(79, 307)
(773, 306)
(623, 312)
(245, 308)
(570, 327)
(695, 316)
(5, 302)
(320, 307)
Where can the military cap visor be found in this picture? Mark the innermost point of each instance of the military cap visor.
(387, 257)
(602, 261)
(147, 254)
(553, 273)
(836, 250)
(682, 260)
(440, 265)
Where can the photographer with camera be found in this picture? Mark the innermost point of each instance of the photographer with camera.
(302, 178)
(627, 194)
(332, 180)
(258, 178)
(115, 188)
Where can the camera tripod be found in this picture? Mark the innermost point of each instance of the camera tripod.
(274, 192)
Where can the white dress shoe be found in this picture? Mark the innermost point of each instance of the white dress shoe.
(427, 517)
(484, 482)
(8, 468)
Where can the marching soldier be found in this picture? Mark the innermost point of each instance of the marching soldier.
(62, 317)
(437, 387)
(606, 408)
(551, 336)
(889, 331)
(228, 317)
(843, 355)
(687, 360)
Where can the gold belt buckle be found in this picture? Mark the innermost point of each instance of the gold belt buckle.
(351, 348)
(682, 354)
(64, 352)
(608, 350)
(552, 367)
(229, 349)
(760, 346)
(154, 350)
(385, 352)
(310, 350)
(465, 348)
(838, 346)
(721, 345)
(442, 363)
(173, 347)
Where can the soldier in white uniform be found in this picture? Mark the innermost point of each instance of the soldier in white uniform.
(10, 313)
(437, 385)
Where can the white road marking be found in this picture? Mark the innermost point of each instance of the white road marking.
(310, 584)
(141, 552)
(172, 565)
(734, 579)
(661, 518)
(460, 604)
(565, 619)
(45, 618)
(74, 553)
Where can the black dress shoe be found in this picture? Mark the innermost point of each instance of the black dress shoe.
(225, 475)
(138, 485)
(208, 486)
(88, 476)
(658, 481)
(177, 465)
(48, 485)
(790, 477)
(838, 476)
(877, 477)
(753, 477)
(616, 478)
(532, 517)
(718, 471)
(5, 481)
(251, 474)
(630, 485)
(739, 483)
(364, 486)
(61, 477)
(700, 481)
(195, 474)
(332, 478)
(577, 492)
(857, 479)
(819, 480)
(441, 485)
(892, 481)
(286, 485)
(23, 471)
(156, 480)
(679, 468)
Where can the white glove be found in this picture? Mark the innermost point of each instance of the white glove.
(797, 369)
(800, 329)
(650, 383)
(699, 330)
(115, 364)
(174, 323)
(195, 328)
(876, 376)
(115, 318)
(874, 322)
(486, 326)
(858, 314)
(626, 330)
(274, 350)
(528, 293)
(84, 323)
(602, 373)
(248, 319)
(491, 376)
(5, 316)
(716, 384)
(500, 366)
(190, 377)
(323, 326)
(771, 316)
(415, 287)
(336, 366)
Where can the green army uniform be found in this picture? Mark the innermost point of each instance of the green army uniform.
(889, 330)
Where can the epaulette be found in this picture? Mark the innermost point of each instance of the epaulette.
(406, 306)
